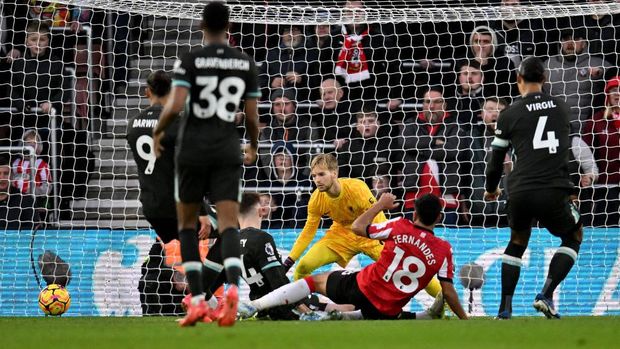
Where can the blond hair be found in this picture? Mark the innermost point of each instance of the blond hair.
(327, 160)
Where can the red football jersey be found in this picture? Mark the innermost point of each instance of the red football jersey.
(411, 257)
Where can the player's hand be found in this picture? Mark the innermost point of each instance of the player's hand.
(287, 264)
(157, 147)
(492, 196)
(249, 155)
(205, 227)
(387, 201)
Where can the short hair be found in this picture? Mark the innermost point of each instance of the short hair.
(4, 160)
(365, 112)
(427, 208)
(248, 201)
(327, 160)
(532, 70)
(159, 82)
(498, 100)
(37, 26)
(436, 88)
(471, 63)
(215, 17)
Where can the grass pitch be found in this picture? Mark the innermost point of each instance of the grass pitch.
(154, 333)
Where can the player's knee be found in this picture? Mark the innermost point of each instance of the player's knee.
(303, 269)
(514, 250)
(571, 242)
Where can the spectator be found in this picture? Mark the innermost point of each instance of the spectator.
(328, 46)
(368, 60)
(287, 126)
(430, 141)
(498, 70)
(22, 173)
(291, 64)
(285, 186)
(17, 211)
(37, 82)
(602, 132)
(602, 33)
(267, 201)
(520, 38)
(368, 150)
(334, 118)
(486, 213)
(470, 93)
(577, 76)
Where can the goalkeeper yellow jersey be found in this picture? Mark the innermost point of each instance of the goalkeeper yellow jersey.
(354, 199)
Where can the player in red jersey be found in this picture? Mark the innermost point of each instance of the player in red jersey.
(411, 257)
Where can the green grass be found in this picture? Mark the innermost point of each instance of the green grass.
(152, 333)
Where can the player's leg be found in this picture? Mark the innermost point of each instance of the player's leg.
(225, 192)
(287, 294)
(563, 221)
(520, 218)
(189, 191)
(318, 255)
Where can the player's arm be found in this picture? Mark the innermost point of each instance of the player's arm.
(308, 232)
(270, 265)
(361, 223)
(175, 104)
(367, 199)
(495, 166)
(445, 275)
(181, 83)
(251, 113)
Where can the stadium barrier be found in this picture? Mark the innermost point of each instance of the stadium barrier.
(105, 268)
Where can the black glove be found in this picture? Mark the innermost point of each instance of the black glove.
(288, 263)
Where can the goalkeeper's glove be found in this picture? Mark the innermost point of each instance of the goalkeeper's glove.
(288, 263)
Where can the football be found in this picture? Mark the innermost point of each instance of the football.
(54, 300)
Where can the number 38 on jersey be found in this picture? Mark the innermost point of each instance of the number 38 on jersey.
(230, 91)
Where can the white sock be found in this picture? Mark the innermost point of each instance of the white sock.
(197, 299)
(352, 315)
(212, 302)
(422, 315)
(286, 294)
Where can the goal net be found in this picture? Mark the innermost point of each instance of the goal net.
(405, 94)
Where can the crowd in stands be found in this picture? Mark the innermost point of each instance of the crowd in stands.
(348, 89)
(407, 107)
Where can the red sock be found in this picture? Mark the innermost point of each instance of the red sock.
(310, 282)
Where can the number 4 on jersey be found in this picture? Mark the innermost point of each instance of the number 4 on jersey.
(550, 143)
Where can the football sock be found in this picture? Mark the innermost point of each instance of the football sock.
(231, 250)
(210, 273)
(511, 269)
(352, 315)
(212, 302)
(561, 264)
(287, 294)
(191, 261)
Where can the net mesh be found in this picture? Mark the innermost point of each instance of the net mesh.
(346, 78)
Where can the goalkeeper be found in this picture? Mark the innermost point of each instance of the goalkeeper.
(343, 200)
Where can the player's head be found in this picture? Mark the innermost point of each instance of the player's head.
(531, 71)
(324, 171)
(428, 209)
(5, 174)
(250, 206)
(37, 38)
(215, 17)
(158, 84)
